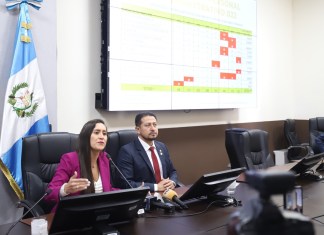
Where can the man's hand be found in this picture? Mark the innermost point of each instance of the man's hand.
(165, 184)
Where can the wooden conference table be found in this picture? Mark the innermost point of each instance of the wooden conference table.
(199, 220)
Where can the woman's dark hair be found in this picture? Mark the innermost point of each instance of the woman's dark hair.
(138, 118)
(84, 152)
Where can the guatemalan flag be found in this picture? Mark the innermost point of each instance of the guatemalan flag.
(25, 106)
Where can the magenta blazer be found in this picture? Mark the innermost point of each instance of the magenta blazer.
(68, 164)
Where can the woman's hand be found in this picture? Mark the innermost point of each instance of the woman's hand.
(76, 184)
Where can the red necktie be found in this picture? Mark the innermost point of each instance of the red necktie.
(155, 165)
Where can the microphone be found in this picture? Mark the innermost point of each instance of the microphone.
(124, 178)
(177, 206)
(48, 191)
(168, 207)
(173, 196)
(152, 202)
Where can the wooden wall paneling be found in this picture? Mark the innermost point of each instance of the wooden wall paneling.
(201, 149)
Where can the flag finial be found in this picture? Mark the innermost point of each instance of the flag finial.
(11, 4)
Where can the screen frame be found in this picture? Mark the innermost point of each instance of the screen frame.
(211, 184)
(82, 212)
(226, 98)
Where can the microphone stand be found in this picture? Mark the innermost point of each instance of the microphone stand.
(48, 191)
(116, 167)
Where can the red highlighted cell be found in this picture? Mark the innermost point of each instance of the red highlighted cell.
(223, 35)
(188, 79)
(216, 63)
(231, 42)
(223, 51)
(178, 83)
(230, 76)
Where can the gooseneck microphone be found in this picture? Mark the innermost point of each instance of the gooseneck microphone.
(124, 178)
(173, 196)
(48, 191)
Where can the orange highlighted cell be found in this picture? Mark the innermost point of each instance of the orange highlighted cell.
(230, 76)
(223, 51)
(223, 35)
(231, 42)
(178, 83)
(188, 79)
(216, 63)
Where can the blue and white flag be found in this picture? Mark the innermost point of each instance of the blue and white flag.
(24, 110)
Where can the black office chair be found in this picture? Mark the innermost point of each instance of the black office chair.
(256, 150)
(116, 140)
(296, 149)
(233, 145)
(316, 134)
(41, 154)
(290, 132)
(248, 148)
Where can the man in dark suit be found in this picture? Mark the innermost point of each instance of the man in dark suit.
(146, 161)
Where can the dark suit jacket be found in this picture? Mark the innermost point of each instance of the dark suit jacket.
(134, 163)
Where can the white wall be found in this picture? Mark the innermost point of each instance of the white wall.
(289, 65)
(308, 54)
(79, 70)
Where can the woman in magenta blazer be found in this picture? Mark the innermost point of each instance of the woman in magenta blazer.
(87, 169)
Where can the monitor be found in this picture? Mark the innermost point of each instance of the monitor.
(97, 210)
(304, 166)
(211, 184)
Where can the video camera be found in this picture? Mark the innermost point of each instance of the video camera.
(260, 216)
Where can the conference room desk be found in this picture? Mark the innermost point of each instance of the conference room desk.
(197, 220)
(163, 223)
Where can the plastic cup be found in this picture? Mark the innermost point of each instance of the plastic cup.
(39, 227)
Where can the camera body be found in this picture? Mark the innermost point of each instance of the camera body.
(261, 215)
